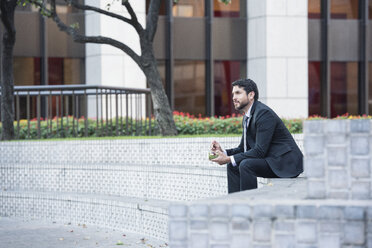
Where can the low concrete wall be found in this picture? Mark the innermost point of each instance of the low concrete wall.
(125, 184)
(330, 208)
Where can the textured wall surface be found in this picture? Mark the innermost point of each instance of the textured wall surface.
(125, 184)
(330, 207)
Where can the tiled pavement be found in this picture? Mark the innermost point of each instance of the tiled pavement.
(15, 233)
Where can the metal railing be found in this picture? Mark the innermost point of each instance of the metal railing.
(80, 111)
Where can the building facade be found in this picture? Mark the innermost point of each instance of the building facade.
(308, 57)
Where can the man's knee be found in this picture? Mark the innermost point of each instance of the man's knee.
(246, 165)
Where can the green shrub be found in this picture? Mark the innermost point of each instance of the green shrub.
(186, 124)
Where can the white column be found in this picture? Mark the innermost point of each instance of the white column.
(105, 64)
(278, 54)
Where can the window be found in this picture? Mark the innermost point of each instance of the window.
(225, 72)
(314, 9)
(344, 9)
(188, 8)
(189, 86)
(344, 88)
(314, 88)
(26, 71)
(226, 10)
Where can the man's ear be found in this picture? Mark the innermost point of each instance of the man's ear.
(251, 95)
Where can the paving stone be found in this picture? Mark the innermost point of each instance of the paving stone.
(284, 211)
(199, 240)
(327, 241)
(360, 190)
(219, 230)
(240, 240)
(38, 233)
(284, 241)
(177, 211)
(240, 210)
(314, 145)
(360, 126)
(360, 168)
(337, 156)
(335, 126)
(313, 126)
(262, 231)
(354, 213)
(284, 226)
(219, 210)
(306, 232)
(240, 224)
(316, 189)
(338, 179)
(198, 224)
(359, 145)
(177, 230)
(306, 212)
(262, 211)
(330, 213)
(198, 211)
(314, 167)
(354, 233)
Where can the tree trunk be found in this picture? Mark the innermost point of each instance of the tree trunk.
(7, 83)
(163, 112)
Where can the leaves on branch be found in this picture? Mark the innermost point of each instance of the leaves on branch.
(75, 25)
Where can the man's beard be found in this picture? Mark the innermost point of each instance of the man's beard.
(242, 106)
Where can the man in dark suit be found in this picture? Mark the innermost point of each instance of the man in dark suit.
(267, 149)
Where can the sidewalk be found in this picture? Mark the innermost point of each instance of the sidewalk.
(15, 233)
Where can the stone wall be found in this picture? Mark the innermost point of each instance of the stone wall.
(338, 159)
(123, 184)
(330, 208)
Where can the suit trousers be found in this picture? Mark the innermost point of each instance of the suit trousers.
(244, 175)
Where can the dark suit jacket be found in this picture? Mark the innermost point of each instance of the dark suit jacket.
(269, 139)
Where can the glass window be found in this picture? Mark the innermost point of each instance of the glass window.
(73, 72)
(344, 88)
(226, 10)
(26, 71)
(314, 9)
(344, 9)
(225, 72)
(188, 8)
(55, 71)
(314, 88)
(189, 86)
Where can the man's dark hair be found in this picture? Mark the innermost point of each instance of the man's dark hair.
(248, 85)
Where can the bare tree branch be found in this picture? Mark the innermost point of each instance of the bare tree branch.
(132, 21)
(86, 39)
(152, 18)
(133, 15)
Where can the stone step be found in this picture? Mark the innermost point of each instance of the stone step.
(133, 214)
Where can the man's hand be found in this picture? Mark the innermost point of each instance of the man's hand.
(222, 158)
(216, 147)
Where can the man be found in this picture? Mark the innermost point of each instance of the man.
(267, 149)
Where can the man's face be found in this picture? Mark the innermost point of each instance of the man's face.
(240, 98)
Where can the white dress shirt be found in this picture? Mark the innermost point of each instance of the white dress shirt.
(248, 114)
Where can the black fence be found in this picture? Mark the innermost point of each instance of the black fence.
(55, 111)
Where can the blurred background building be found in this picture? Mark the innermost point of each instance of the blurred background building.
(308, 57)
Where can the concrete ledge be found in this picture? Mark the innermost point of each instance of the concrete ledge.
(148, 217)
(271, 218)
